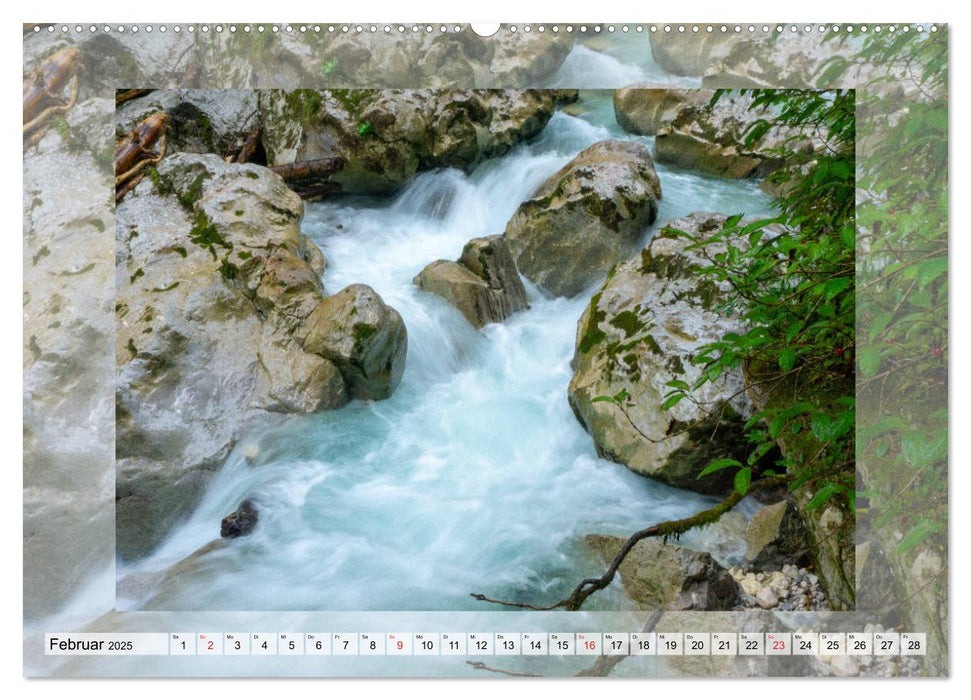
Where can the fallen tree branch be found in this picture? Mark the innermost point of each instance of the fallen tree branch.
(479, 666)
(306, 169)
(605, 664)
(250, 144)
(316, 191)
(123, 96)
(671, 528)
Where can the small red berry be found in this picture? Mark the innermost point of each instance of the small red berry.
(891, 211)
(839, 351)
(938, 352)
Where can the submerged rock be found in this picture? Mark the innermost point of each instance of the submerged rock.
(660, 576)
(640, 332)
(215, 284)
(363, 336)
(385, 137)
(586, 217)
(484, 284)
(240, 522)
(712, 140)
(643, 108)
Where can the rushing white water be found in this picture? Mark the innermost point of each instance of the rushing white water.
(475, 476)
(617, 59)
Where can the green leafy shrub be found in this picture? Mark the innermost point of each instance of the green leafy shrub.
(791, 278)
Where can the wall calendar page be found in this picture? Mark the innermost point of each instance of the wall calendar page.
(450, 350)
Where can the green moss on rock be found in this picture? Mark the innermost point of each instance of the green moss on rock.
(627, 321)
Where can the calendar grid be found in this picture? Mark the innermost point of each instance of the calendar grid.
(472, 644)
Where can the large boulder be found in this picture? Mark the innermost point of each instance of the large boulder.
(363, 336)
(215, 288)
(643, 108)
(200, 121)
(386, 136)
(484, 284)
(691, 54)
(776, 536)
(640, 332)
(712, 140)
(794, 60)
(659, 576)
(764, 59)
(586, 217)
(68, 257)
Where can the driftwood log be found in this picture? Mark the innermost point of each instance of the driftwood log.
(123, 96)
(308, 178)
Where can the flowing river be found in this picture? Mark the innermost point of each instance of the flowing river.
(475, 476)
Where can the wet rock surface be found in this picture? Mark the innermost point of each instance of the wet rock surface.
(215, 286)
(586, 217)
(240, 522)
(68, 401)
(483, 284)
(714, 140)
(201, 121)
(665, 576)
(638, 334)
(643, 108)
(363, 336)
(385, 137)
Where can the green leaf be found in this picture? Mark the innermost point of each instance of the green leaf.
(743, 477)
(917, 534)
(794, 329)
(732, 221)
(869, 359)
(787, 359)
(718, 465)
(824, 494)
(827, 428)
(919, 450)
(671, 401)
(930, 270)
(835, 286)
(619, 398)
